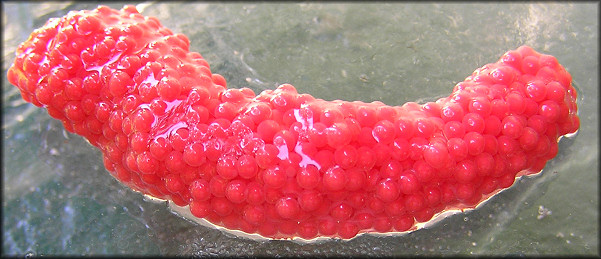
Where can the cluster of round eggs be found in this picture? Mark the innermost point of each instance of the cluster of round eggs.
(284, 164)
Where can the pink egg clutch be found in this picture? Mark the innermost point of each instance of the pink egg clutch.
(281, 164)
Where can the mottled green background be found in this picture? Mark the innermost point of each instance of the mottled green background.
(58, 199)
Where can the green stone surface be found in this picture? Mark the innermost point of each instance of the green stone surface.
(59, 200)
